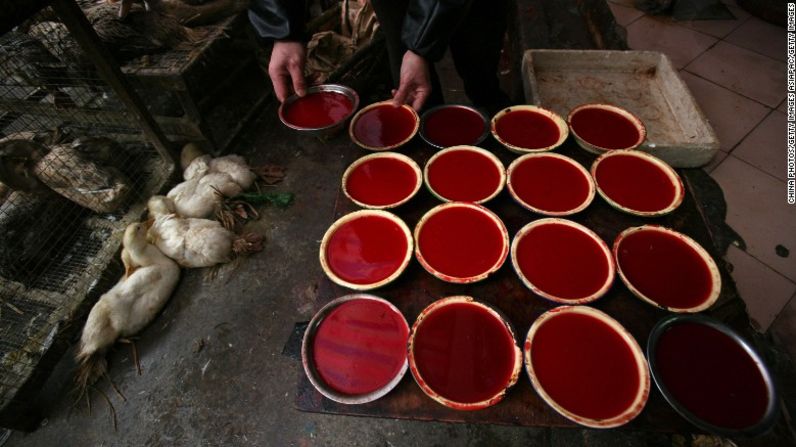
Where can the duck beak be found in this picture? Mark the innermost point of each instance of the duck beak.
(149, 222)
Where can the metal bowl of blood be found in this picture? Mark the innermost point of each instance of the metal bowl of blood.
(323, 110)
(712, 376)
(453, 125)
(354, 348)
(599, 128)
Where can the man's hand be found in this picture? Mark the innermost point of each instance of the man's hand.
(414, 85)
(286, 69)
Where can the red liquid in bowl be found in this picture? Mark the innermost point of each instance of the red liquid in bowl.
(635, 183)
(461, 242)
(527, 129)
(464, 175)
(453, 126)
(360, 346)
(563, 261)
(605, 128)
(665, 269)
(381, 181)
(549, 184)
(585, 366)
(366, 250)
(384, 126)
(319, 109)
(464, 353)
(711, 375)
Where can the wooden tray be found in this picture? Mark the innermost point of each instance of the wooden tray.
(416, 288)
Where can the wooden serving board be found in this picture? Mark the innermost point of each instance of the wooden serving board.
(416, 288)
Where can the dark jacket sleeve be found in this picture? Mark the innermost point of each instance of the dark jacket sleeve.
(429, 25)
(279, 19)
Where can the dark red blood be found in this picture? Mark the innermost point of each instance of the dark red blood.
(665, 269)
(605, 128)
(464, 353)
(453, 126)
(384, 125)
(549, 184)
(366, 250)
(635, 183)
(360, 346)
(711, 375)
(381, 181)
(563, 261)
(585, 366)
(318, 109)
(527, 129)
(461, 242)
(464, 175)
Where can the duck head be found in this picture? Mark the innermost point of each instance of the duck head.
(135, 236)
(160, 206)
(189, 153)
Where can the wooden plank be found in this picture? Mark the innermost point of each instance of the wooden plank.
(416, 288)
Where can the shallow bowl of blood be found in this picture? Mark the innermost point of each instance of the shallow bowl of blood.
(463, 353)
(323, 110)
(587, 366)
(382, 180)
(354, 348)
(383, 126)
(598, 128)
(712, 376)
(526, 128)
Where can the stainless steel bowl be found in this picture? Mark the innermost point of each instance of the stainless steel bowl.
(321, 131)
(770, 415)
(445, 106)
(309, 364)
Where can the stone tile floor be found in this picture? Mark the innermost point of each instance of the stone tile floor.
(736, 71)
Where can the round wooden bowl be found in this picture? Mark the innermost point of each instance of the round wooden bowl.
(457, 149)
(511, 181)
(504, 250)
(595, 149)
(383, 155)
(423, 383)
(563, 129)
(642, 394)
(676, 181)
(609, 278)
(325, 264)
(369, 108)
(710, 264)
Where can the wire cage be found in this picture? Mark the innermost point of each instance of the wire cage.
(77, 163)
